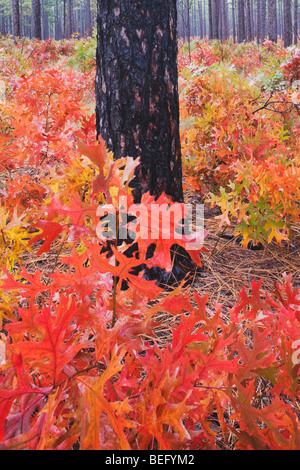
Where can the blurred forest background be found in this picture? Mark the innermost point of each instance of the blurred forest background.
(242, 20)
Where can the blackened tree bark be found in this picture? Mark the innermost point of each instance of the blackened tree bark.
(272, 14)
(36, 19)
(16, 19)
(137, 110)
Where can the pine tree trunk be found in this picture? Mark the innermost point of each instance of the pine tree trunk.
(249, 23)
(241, 21)
(46, 33)
(210, 17)
(233, 21)
(36, 19)
(16, 19)
(272, 14)
(204, 20)
(216, 18)
(296, 12)
(64, 19)
(225, 27)
(188, 25)
(201, 30)
(56, 24)
(88, 18)
(253, 25)
(263, 20)
(70, 27)
(137, 110)
(288, 24)
(259, 23)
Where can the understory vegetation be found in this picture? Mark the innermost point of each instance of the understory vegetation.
(92, 354)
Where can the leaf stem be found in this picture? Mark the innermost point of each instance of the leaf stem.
(114, 318)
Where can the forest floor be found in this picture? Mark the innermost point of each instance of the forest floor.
(228, 267)
(102, 352)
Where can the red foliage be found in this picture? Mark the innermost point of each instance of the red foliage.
(291, 69)
(84, 363)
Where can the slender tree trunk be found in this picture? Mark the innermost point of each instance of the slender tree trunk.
(204, 19)
(210, 16)
(249, 24)
(82, 19)
(216, 19)
(137, 111)
(296, 12)
(182, 14)
(65, 19)
(241, 21)
(60, 21)
(70, 18)
(188, 24)
(88, 18)
(56, 24)
(21, 20)
(16, 19)
(201, 23)
(259, 22)
(272, 14)
(280, 25)
(225, 27)
(288, 24)
(36, 19)
(233, 21)
(253, 23)
(263, 20)
(45, 25)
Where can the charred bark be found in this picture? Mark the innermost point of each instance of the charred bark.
(137, 110)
